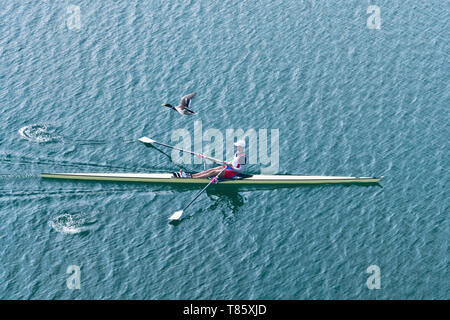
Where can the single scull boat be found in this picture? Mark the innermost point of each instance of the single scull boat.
(240, 180)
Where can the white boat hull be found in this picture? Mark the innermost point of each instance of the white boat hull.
(168, 178)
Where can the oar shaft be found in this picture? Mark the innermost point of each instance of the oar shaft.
(187, 151)
(198, 195)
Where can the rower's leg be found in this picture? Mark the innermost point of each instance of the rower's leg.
(203, 174)
(209, 173)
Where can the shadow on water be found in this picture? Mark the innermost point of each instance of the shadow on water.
(219, 194)
(230, 197)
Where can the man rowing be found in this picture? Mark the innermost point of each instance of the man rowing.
(228, 171)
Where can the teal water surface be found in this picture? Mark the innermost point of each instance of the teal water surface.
(346, 99)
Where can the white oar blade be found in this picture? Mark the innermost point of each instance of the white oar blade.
(176, 215)
(146, 140)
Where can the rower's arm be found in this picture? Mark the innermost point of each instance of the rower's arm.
(238, 164)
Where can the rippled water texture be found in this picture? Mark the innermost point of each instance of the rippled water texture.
(346, 99)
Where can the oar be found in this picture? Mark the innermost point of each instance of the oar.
(147, 141)
(177, 214)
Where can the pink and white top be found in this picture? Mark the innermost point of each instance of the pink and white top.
(239, 162)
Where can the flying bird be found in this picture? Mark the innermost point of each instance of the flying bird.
(183, 107)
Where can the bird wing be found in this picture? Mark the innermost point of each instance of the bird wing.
(184, 111)
(186, 100)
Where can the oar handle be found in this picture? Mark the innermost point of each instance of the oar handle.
(201, 155)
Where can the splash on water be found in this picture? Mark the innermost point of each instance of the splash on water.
(39, 133)
(68, 224)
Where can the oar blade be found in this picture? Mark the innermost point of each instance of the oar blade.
(146, 140)
(176, 215)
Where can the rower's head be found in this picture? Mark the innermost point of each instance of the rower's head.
(240, 145)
